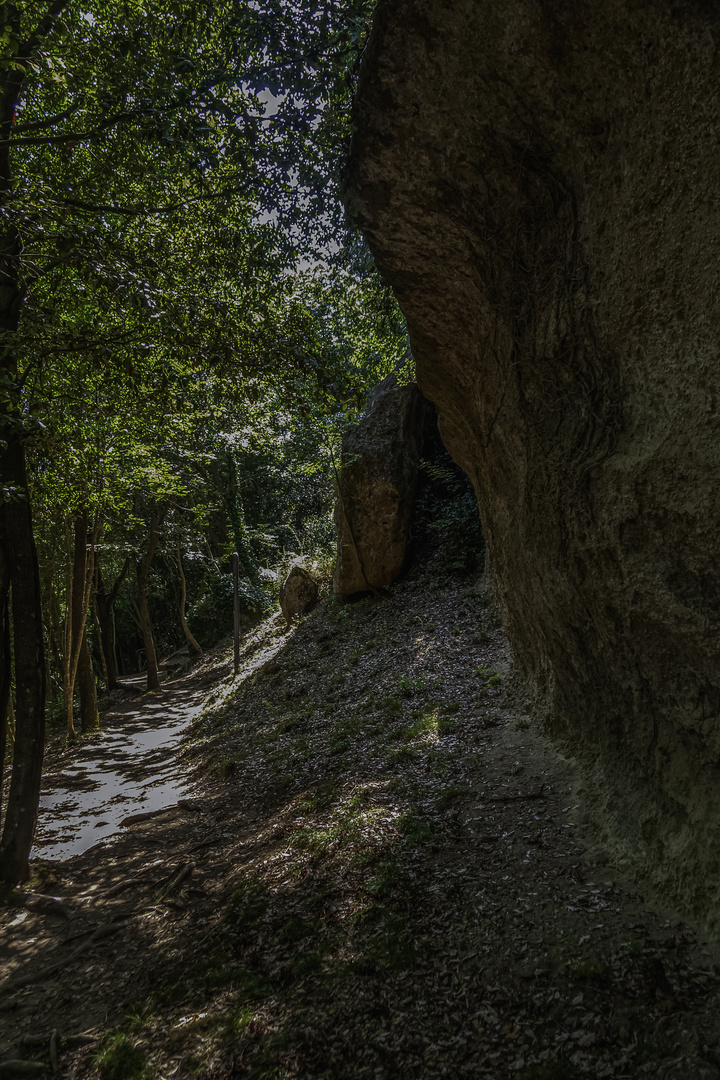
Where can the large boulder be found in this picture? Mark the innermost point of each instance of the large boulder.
(376, 488)
(540, 182)
(298, 593)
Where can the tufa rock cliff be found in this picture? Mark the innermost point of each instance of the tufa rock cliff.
(541, 185)
(380, 459)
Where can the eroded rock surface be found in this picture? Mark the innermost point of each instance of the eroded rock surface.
(380, 457)
(540, 183)
(298, 593)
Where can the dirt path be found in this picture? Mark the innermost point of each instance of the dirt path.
(377, 876)
(129, 767)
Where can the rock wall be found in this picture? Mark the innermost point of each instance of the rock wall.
(380, 459)
(540, 182)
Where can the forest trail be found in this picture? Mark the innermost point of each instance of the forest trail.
(377, 875)
(128, 767)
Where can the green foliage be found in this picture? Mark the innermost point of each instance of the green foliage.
(488, 675)
(415, 829)
(247, 905)
(408, 686)
(119, 1058)
(197, 326)
(447, 513)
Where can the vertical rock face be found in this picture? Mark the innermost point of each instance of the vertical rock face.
(540, 182)
(380, 458)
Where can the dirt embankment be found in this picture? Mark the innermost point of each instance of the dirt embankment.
(377, 875)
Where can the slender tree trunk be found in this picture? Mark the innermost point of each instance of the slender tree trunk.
(236, 514)
(82, 578)
(77, 659)
(53, 623)
(118, 662)
(143, 571)
(193, 647)
(104, 603)
(99, 638)
(68, 667)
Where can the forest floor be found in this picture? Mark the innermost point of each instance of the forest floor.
(376, 875)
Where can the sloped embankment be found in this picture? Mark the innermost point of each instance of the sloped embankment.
(377, 877)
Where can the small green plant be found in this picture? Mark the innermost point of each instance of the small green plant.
(446, 725)
(450, 794)
(408, 685)
(488, 675)
(424, 724)
(517, 768)
(338, 744)
(522, 723)
(248, 903)
(392, 706)
(119, 1058)
(415, 830)
(399, 756)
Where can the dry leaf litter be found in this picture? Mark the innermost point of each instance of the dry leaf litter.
(377, 876)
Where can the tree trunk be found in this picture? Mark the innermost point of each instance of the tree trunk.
(80, 572)
(99, 638)
(18, 561)
(143, 570)
(104, 603)
(68, 667)
(85, 673)
(236, 513)
(16, 533)
(5, 661)
(193, 647)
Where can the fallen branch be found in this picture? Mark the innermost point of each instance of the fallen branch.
(22, 1068)
(515, 798)
(135, 819)
(54, 1051)
(182, 875)
(46, 905)
(203, 844)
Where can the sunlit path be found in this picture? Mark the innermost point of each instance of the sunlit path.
(130, 767)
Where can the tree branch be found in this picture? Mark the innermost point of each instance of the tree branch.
(44, 27)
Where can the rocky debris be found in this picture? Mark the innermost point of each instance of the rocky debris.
(299, 593)
(556, 266)
(380, 458)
